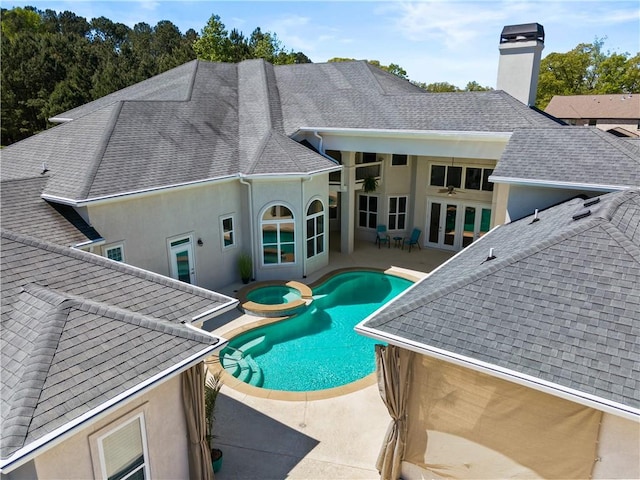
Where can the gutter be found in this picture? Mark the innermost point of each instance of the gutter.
(50, 440)
(89, 244)
(372, 132)
(135, 193)
(529, 381)
(214, 312)
(175, 187)
(553, 183)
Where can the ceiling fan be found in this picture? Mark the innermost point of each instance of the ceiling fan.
(450, 190)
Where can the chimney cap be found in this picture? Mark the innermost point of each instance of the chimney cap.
(522, 33)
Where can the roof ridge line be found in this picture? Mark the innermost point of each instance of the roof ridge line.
(38, 364)
(261, 147)
(101, 261)
(104, 143)
(611, 140)
(113, 311)
(499, 263)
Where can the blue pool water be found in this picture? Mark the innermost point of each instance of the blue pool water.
(274, 295)
(318, 348)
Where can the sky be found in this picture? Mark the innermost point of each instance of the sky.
(433, 40)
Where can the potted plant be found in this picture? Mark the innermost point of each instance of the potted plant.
(245, 267)
(211, 389)
(369, 184)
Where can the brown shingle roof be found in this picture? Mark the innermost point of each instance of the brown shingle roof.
(618, 106)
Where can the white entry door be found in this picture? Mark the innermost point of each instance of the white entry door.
(455, 225)
(181, 258)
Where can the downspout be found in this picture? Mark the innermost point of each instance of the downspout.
(320, 147)
(253, 263)
(303, 180)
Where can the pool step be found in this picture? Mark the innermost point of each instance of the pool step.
(250, 371)
(244, 368)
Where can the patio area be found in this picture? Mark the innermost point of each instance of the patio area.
(331, 438)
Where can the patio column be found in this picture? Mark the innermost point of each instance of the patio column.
(348, 202)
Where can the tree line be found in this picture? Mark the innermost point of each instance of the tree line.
(53, 62)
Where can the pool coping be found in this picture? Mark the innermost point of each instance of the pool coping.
(242, 387)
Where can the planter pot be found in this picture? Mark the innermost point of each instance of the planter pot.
(216, 459)
(246, 280)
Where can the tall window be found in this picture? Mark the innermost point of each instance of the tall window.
(315, 229)
(115, 252)
(368, 211)
(397, 213)
(228, 232)
(123, 452)
(278, 236)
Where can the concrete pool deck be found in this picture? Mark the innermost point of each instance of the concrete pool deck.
(264, 437)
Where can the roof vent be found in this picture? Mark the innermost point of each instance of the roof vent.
(45, 169)
(585, 212)
(522, 33)
(491, 255)
(591, 201)
(535, 217)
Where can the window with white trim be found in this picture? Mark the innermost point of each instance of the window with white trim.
(397, 213)
(315, 229)
(473, 178)
(114, 252)
(228, 232)
(278, 236)
(123, 451)
(398, 160)
(368, 211)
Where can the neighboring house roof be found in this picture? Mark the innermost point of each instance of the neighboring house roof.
(23, 211)
(609, 106)
(558, 305)
(81, 333)
(569, 155)
(205, 121)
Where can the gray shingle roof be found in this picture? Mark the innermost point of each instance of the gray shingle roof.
(560, 302)
(79, 329)
(205, 121)
(349, 95)
(23, 211)
(576, 155)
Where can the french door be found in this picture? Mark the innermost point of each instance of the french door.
(181, 260)
(455, 225)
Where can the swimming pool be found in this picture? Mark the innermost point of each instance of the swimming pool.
(318, 348)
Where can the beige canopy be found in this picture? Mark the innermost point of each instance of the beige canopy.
(466, 424)
(200, 466)
(393, 367)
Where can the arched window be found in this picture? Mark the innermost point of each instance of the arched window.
(278, 236)
(315, 229)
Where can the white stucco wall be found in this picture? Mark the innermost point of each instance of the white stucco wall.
(76, 457)
(145, 224)
(523, 200)
(296, 194)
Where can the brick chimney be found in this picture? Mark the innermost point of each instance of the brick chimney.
(520, 52)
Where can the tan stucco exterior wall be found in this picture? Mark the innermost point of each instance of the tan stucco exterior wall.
(618, 449)
(76, 457)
